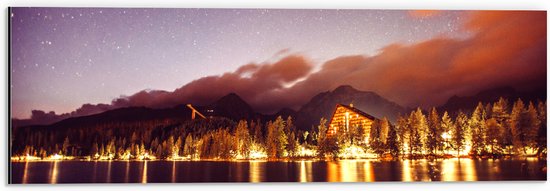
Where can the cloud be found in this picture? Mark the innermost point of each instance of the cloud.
(254, 82)
(42, 117)
(506, 48)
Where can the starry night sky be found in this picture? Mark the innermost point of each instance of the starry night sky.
(62, 58)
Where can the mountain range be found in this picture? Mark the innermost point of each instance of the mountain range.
(465, 103)
(322, 105)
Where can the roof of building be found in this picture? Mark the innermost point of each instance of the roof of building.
(356, 111)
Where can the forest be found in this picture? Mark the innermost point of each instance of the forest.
(490, 130)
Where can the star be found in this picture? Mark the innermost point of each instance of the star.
(141, 39)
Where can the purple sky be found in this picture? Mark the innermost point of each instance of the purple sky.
(62, 58)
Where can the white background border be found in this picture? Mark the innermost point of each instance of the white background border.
(308, 4)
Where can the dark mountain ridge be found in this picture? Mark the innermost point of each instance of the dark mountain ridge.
(323, 104)
(468, 103)
(232, 107)
(123, 115)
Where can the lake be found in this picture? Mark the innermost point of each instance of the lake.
(279, 171)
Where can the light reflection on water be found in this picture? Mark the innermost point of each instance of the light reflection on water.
(53, 176)
(256, 171)
(276, 171)
(462, 170)
(239, 172)
(407, 174)
(333, 172)
(144, 173)
(426, 176)
(108, 179)
(351, 171)
(448, 170)
(306, 175)
(468, 167)
(126, 175)
(173, 171)
(369, 172)
(25, 173)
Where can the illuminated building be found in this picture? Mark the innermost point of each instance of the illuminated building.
(346, 117)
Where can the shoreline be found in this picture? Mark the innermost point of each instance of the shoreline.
(279, 160)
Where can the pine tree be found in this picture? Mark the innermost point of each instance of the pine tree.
(169, 148)
(375, 142)
(243, 139)
(177, 146)
(154, 143)
(477, 130)
(519, 124)
(188, 149)
(326, 145)
(422, 129)
(542, 133)
(94, 150)
(142, 149)
(136, 150)
(447, 126)
(271, 140)
(290, 129)
(459, 132)
(384, 129)
(158, 152)
(494, 133)
(417, 132)
(435, 142)
(321, 130)
(292, 145)
(402, 130)
(307, 136)
(258, 135)
(276, 138)
(532, 126)
(102, 151)
(282, 140)
(65, 146)
(488, 111)
(500, 113)
(392, 142)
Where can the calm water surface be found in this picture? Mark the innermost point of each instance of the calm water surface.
(262, 171)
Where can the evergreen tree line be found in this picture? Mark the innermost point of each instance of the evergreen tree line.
(213, 138)
(491, 130)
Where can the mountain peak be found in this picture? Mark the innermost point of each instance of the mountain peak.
(232, 106)
(345, 89)
(323, 105)
(231, 97)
